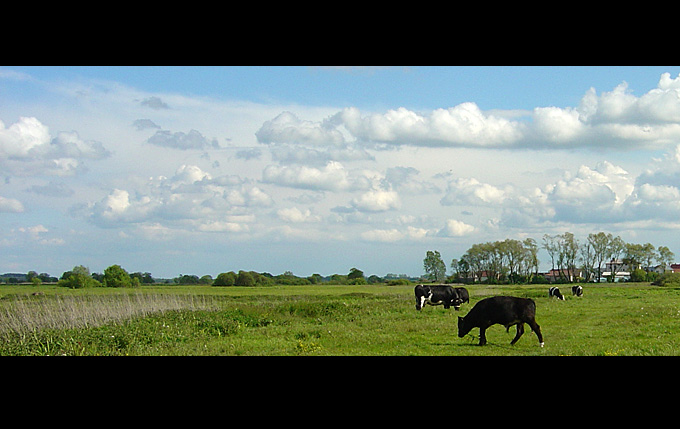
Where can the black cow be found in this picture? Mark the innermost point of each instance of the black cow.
(437, 295)
(555, 292)
(463, 294)
(577, 290)
(503, 310)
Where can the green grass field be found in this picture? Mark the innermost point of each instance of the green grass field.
(324, 320)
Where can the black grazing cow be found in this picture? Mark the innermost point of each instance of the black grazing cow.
(503, 310)
(437, 295)
(463, 294)
(555, 292)
(577, 290)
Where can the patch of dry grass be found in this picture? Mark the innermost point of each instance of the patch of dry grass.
(22, 314)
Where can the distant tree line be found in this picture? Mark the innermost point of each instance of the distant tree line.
(116, 276)
(515, 261)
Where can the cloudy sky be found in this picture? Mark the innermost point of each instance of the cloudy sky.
(201, 170)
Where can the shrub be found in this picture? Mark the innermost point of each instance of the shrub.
(78, 278)
(638, 275)
(244, 278)
(225, 279)
(668, 279)
(116, 276)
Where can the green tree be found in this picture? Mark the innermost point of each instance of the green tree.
(616, 247)
(355, 273)
(187, 279)
(434, 266)
(599, 243)
(530, 261)
(145, 278)
(78, 278)
(225, 279)
(315, 279)
(116, 276)
(665, 256)
(244, 278)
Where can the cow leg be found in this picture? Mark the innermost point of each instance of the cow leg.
(537, 331)
(520, 331)
(482, 336)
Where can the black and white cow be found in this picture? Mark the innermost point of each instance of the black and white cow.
(437, 295)
(463, 294)
(577, 290)
(503, 310)
(555, 292)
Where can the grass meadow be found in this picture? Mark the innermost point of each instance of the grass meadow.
(326, 320)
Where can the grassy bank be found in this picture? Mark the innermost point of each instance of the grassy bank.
(622, 320)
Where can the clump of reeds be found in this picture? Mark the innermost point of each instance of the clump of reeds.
(24, 314)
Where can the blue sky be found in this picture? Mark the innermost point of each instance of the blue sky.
(201, 170)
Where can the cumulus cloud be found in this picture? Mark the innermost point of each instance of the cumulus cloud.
(295, 215)
(462, 125)
(154, 103)
(393, 235)
(35, 233)
(615, 119)
(183, 141)
(296, 141)
(10, 205)
(27, 148)
(656, 194)
(332, 177)
(144, 124)
(456, 228)
(287, 128)
(470, 191)
(605, 193)
(377, 201)
(190, 198)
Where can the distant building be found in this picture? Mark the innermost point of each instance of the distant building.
(570, 275)
(621, 271)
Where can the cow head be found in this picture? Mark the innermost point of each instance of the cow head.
(462, 328)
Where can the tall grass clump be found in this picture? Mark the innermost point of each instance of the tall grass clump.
(24, 314)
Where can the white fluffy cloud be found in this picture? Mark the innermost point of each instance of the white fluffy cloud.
(27, 148)
(612, 119)
(287, 128)
(296, 215)
(191, 198)
(456, 228)
(332, 177)
(10, 205)
(462, 125)
(377, 201)
(470, 191)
